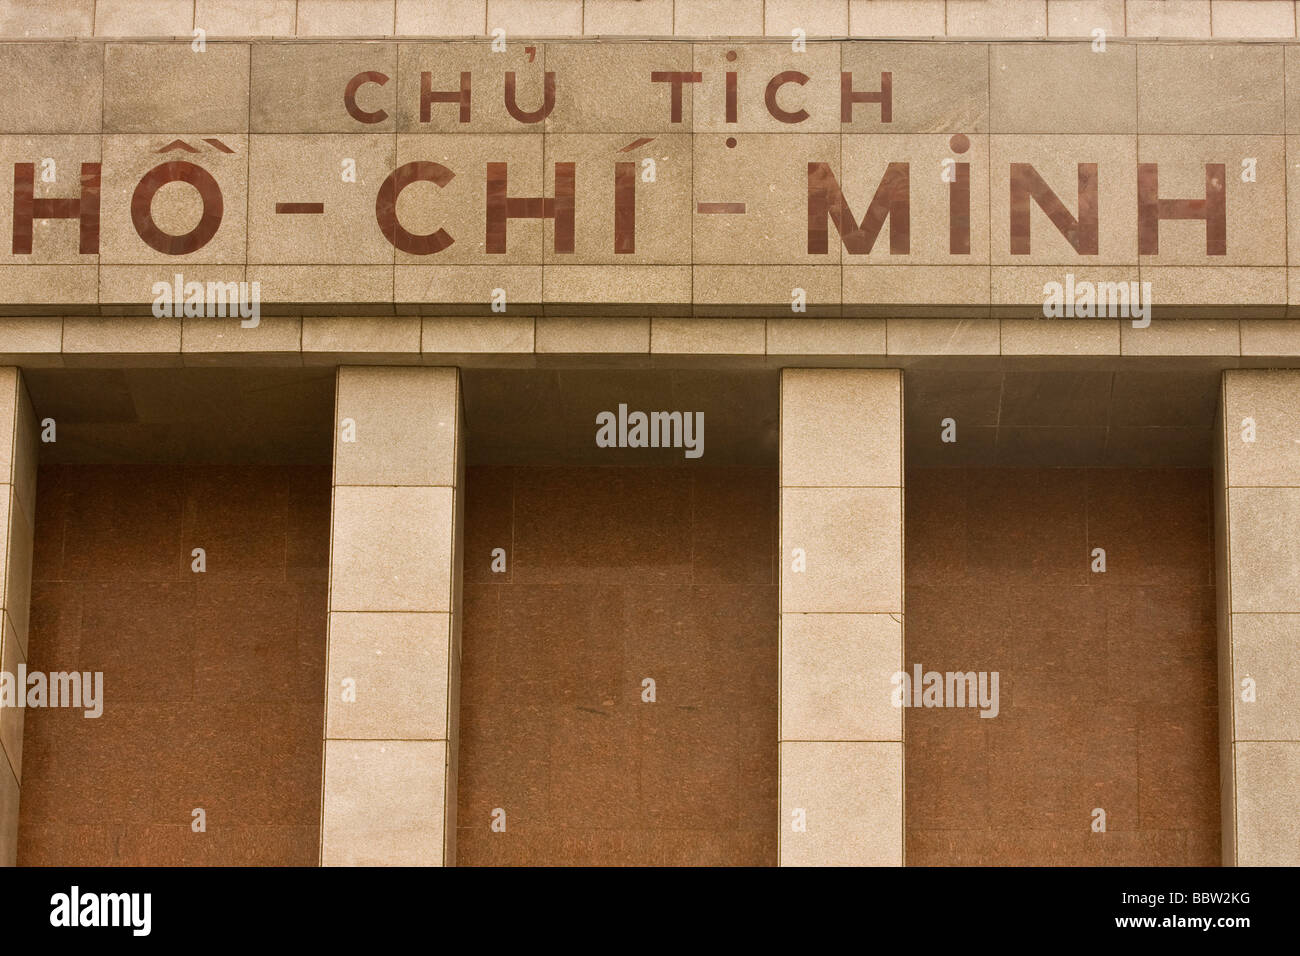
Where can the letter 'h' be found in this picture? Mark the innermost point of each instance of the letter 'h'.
(28, 208)
(501, 208)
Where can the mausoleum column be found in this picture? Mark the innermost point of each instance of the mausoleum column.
(841, 740)
(393, 672)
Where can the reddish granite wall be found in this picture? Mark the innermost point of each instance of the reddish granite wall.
(1107, 681)
(615, 575)
(214, 682)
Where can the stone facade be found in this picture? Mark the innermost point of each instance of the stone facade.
(814, 432)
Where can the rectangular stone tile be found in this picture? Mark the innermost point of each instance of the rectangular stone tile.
(558, 335)
(774, 225)
(1268, 807)
(703, 18)
(1269, 337)
(929, 291)
(1159, 531)
(1292, 292)
(1265, 558)
(616, 18)
(777, 90)
(345, 231)
(811, 336)
(399, 663)
(951, 788)
(1293, 183)
(131, 18)
(1256, 292)
(1069, 293)
(523, 18)
(997, 18)
(766, 290)
(1263, 18)
(35, 18)
(11, 717)
(1159, 18)
(299, 87)
(1238, 88)
(732, 544)
(552, 546)
(405, 420)
(495, 334)
(132, 335)
(1180, 337)
(441, 18)
(57, 87)
(31, 336)
(1267, 398)
(849, 797)
(1062, 174)
(1291, 58)
(852, 538)
(74, 162)
(1063, 88)
(134, 289)
(1251, 232)
(816, 18)
(41, 288)
(619, 218)
(192, 217)
(896, 18)
(1265, 649)
(169, 87)
(468, 290)
(707, 336)
(943, 336)
(1060, 336)
(841, 428)
(448, 223)
(17, 564)
(245, 18)
(1078, 18)
(8, 816)
(928, 234)
(610, 88)
(836, 677)
(352, 18)
(384, 803)
(391, 549)
(327, 339)
(1225, 692)
(947, 85)
(211, 341)
(465, 90)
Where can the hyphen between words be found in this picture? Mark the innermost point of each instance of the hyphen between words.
(827, 204)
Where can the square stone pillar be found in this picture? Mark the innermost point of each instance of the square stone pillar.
(841, 740)
(393, 672)
(1257, 529)
(18, 445)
